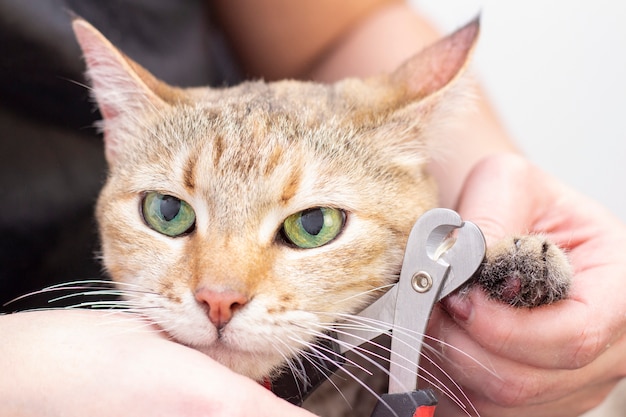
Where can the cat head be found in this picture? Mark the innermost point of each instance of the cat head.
(246, 220)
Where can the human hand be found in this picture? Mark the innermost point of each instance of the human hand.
(88, 363)
(556, 360)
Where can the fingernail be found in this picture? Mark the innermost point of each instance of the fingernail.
(459, 307)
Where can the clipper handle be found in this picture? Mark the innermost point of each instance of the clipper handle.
(419, 403)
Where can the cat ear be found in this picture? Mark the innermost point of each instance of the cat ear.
(121, 87)
(435, 67)
(416, 105)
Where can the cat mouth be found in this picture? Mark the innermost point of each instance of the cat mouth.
(218, 342)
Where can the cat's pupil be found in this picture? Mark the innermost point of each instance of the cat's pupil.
(170, 207)
(313, 221)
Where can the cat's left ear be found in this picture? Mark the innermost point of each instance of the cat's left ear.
(122, 88)
(418, 102)
(436, 67)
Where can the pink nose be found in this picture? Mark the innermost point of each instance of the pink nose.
(222, 304)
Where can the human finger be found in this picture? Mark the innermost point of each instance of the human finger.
(487, 378)
(491, 196)
(572, 332)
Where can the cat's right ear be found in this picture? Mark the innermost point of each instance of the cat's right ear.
(122, 88)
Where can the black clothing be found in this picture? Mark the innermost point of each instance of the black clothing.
(51, 158)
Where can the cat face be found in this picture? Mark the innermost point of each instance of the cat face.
(245, 221)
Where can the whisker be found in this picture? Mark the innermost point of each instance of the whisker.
(108, 294)
(96, 305)
(427, 376)
(300, 373)
(361, 351)
(76, 82)
(377, 325)
(289, 360)
(310, 357)
(430, 377)
(94, 293)
(360, 323)
(456, 400)
(41, 291)
(364, 293)
(320, 350)
(332, 352)
(368, 354)
(92, 285)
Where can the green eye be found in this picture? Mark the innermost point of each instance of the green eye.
(314, 227)
(168, 215)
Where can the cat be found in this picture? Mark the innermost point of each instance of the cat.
(245, 221)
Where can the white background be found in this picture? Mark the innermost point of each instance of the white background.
(556, 73)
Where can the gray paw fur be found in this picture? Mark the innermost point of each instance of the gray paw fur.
(526, 271)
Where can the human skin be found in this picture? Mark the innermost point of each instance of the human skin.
(577, 345)
(88, 363)
(59, 363)
(558, 360)
(370, 37)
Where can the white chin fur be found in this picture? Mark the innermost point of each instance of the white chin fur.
(254, 365)
(247, 344)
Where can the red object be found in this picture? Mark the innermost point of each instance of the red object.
(425, 411)
(268, 385)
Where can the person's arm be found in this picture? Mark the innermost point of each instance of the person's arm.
(570, 367)
(329, 40)
(277, 39)
(554, 361)
(75, 363)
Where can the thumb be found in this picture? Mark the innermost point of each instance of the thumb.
(497, 196)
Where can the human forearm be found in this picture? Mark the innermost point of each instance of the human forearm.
(327, 41)
(379, 44)
(77, 363)
(276, 39)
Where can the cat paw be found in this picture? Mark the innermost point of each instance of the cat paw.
(526, 271)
